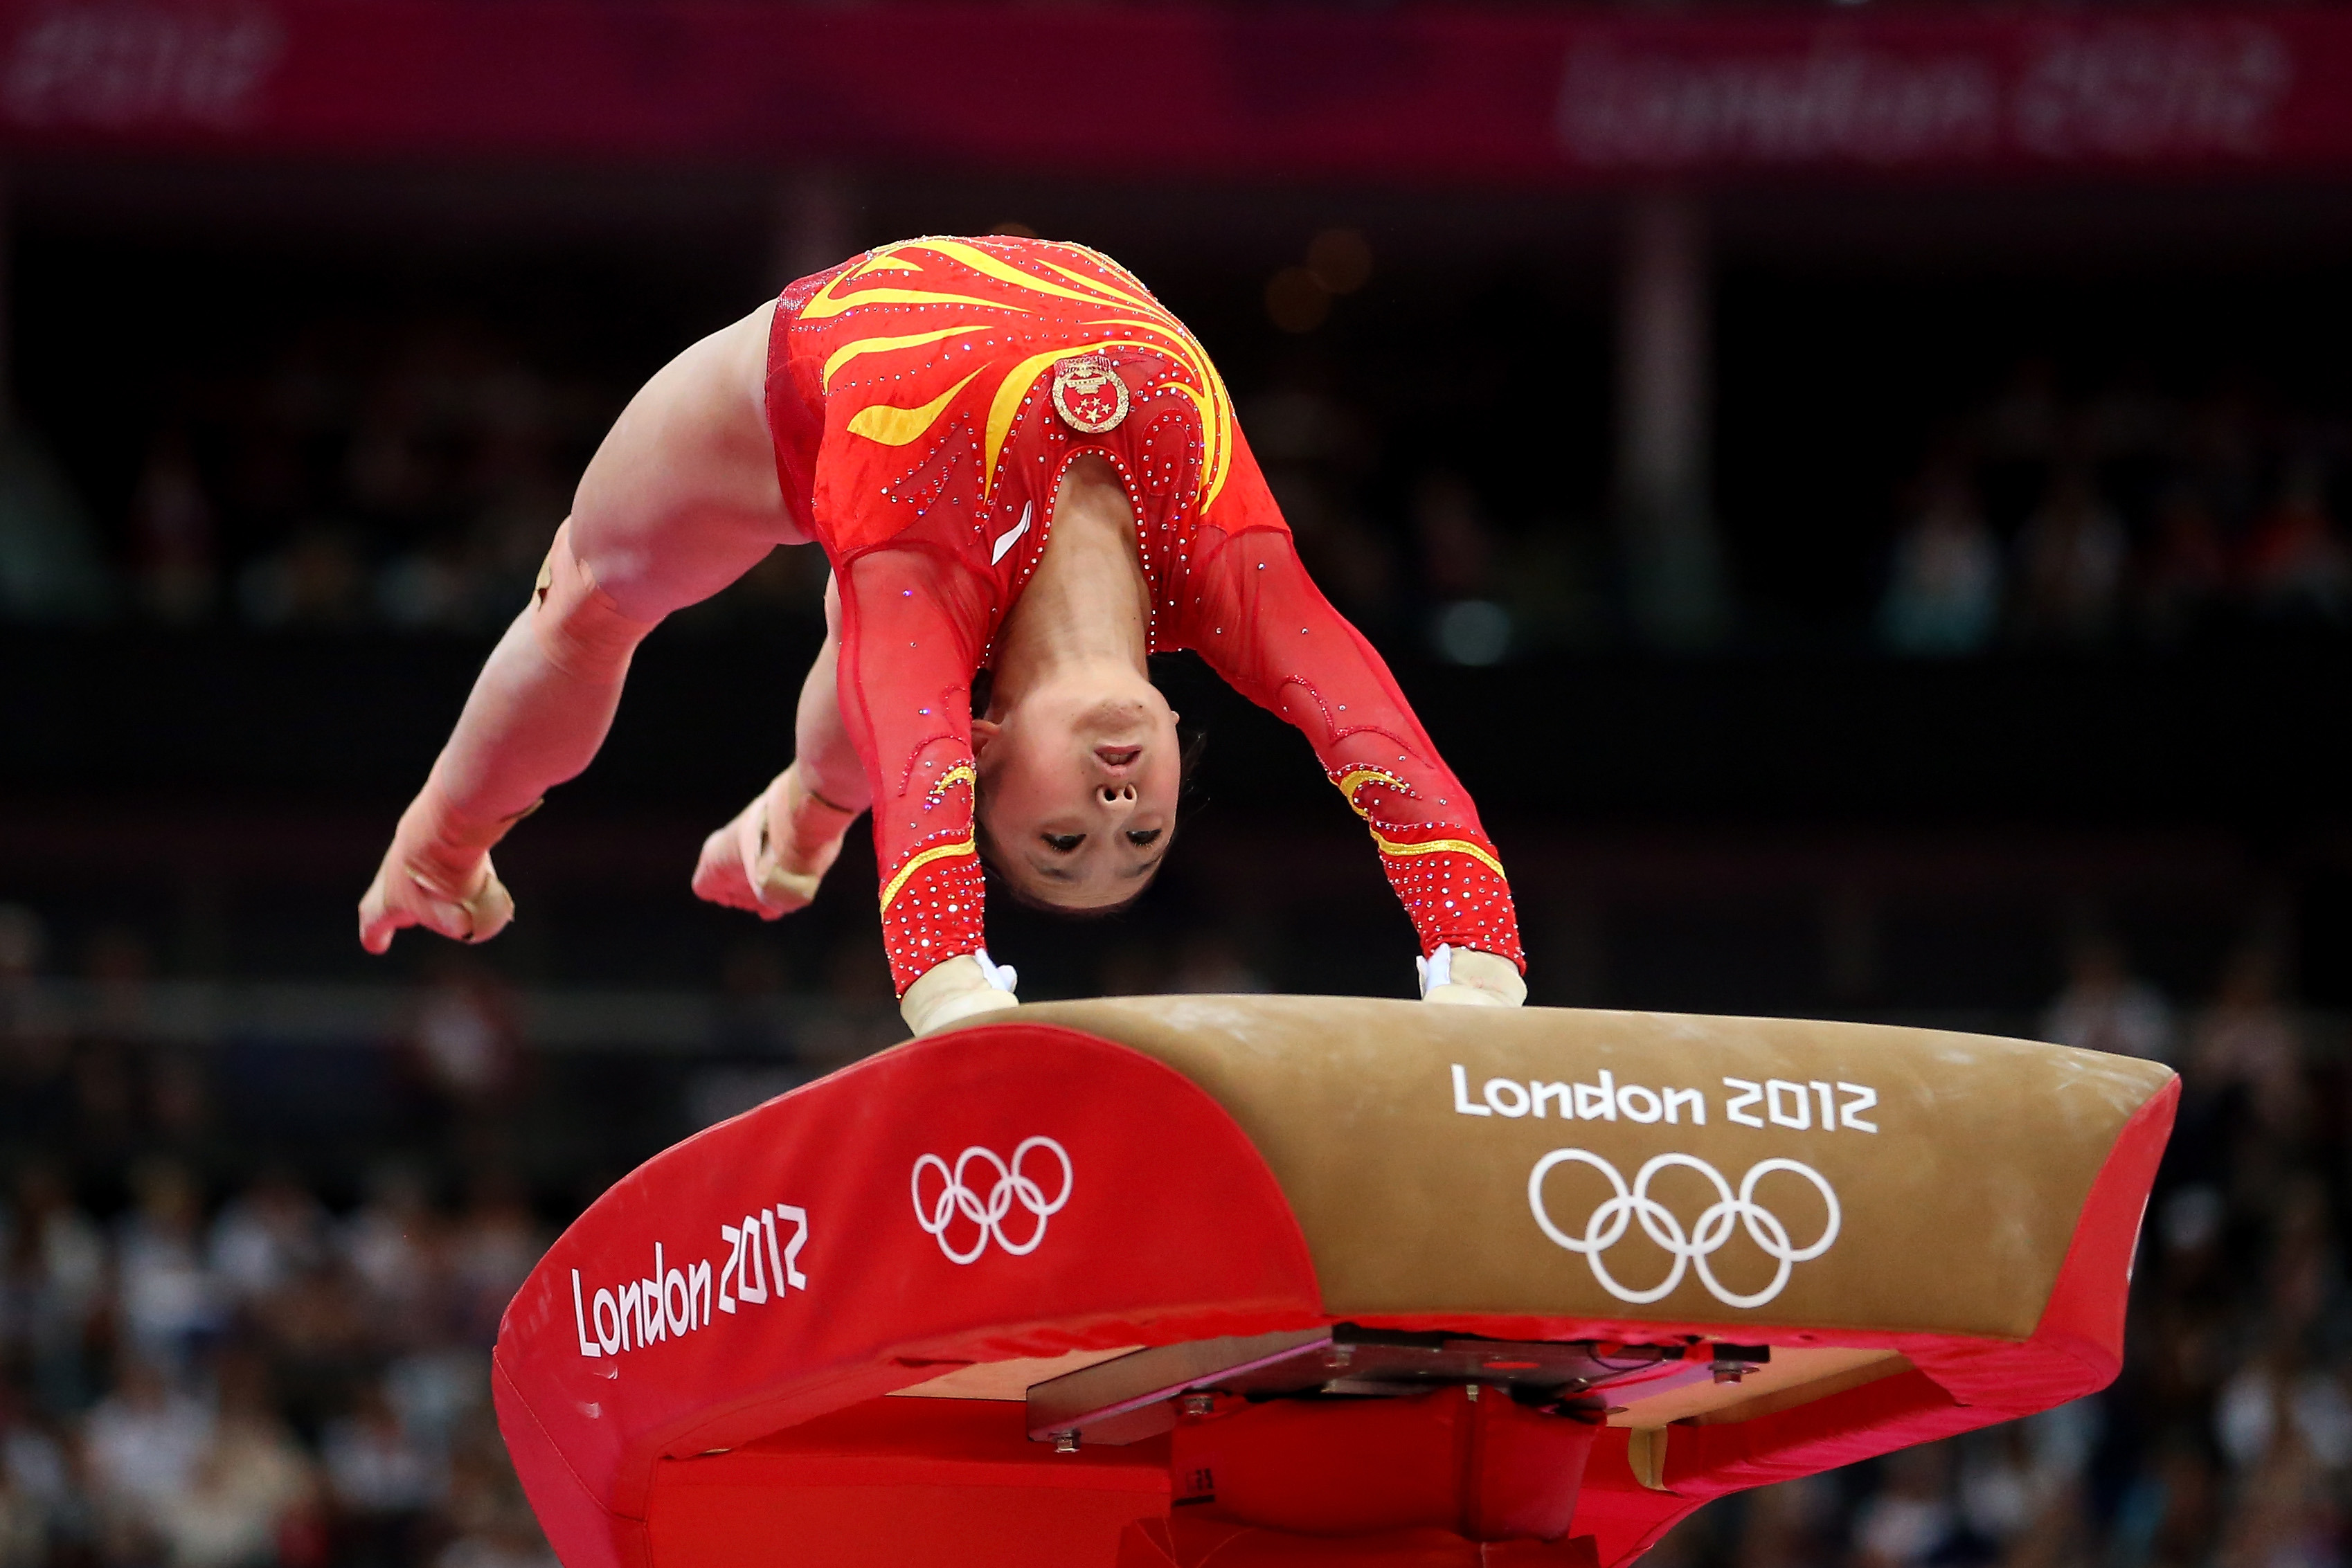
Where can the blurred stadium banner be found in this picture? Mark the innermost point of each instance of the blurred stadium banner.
(1502, 97)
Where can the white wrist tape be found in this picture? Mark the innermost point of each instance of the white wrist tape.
(1004, 976)
(1435, 970)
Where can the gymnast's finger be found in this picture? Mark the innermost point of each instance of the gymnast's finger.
(378, 919)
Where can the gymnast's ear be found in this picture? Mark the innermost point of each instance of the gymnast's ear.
(983, 731)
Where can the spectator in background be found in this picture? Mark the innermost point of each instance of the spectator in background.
(167, 1299)
(23, 948)
(270, 1236)
(383, 1480)
(51, 568)
(2020, 1485)
(2104, 1008)
(1791, 1525)
(2166, 1517)
(2297, 569)
(392, 1245)
(2017, 437)
(486, 1504)
(2070, 564)
(493, 1247)
(2024, 421)
(24, 1528)
(2221, 452)
(439, 1393)
(508, 1539)
(1944, 589)
(517, 496)
(318, 1336)
(1459, 561)
(142, 1444)
(2182, 573)
(312, 580)
(1553, 588)
(1457, 545)
(172, 535)
(55, 1286)
(250, 1496)
(33, 1035)
(1911, 1519)
(180, 1120)
(464, 1047)
(464, 1038)
(39, 1507)
(1316, 451)
(433, 588)
(2247, 1038)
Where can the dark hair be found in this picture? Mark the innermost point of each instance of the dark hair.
(1187, 764)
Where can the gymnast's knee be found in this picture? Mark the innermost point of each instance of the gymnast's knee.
(578, 625)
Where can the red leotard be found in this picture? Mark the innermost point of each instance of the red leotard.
(910, 395)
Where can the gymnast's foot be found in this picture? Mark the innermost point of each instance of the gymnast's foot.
(771, 859)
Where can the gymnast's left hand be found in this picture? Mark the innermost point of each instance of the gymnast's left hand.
(463, 902)
(1465, 977)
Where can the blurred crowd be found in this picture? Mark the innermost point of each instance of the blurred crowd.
(406, 474)
(2128, 516)
(238, 1380)
(202, 1365)
(408, 478)
(212, 1356)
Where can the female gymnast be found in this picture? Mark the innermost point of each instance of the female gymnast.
(1015, 459)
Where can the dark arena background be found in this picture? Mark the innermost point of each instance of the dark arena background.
(1860, 492)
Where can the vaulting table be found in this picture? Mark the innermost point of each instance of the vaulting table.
(1312, 1280)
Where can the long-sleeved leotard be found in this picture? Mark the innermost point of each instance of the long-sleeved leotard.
(925, 400)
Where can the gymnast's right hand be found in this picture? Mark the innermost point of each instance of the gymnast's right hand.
(771, 859)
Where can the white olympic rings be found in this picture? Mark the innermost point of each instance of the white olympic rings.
(1011, 1186)
(1608, 1222)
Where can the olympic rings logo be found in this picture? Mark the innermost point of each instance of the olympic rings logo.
(1011, 1185)
(1608, 1223)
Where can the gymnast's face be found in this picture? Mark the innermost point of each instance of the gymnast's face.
(1078, 792)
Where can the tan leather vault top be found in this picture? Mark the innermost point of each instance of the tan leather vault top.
(1480, 1160)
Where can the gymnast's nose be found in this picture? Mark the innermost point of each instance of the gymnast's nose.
(1117, 799)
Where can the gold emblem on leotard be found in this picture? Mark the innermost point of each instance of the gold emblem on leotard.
(1089, 394)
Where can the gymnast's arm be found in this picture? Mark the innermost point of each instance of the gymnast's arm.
(680, 500)
(1278, 641)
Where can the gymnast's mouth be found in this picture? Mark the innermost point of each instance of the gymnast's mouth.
(1118, 759)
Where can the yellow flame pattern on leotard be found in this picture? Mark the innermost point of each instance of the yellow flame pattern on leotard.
(1388, 846)
(1355, 779)
(949, 851)
(1132, 320)
(894, 426)
(843, 355)
(961, 773)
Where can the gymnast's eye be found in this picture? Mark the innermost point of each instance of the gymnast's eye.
(1144, 838)
(1062, 843)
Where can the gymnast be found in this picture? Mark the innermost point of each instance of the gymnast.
(1015, 459)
